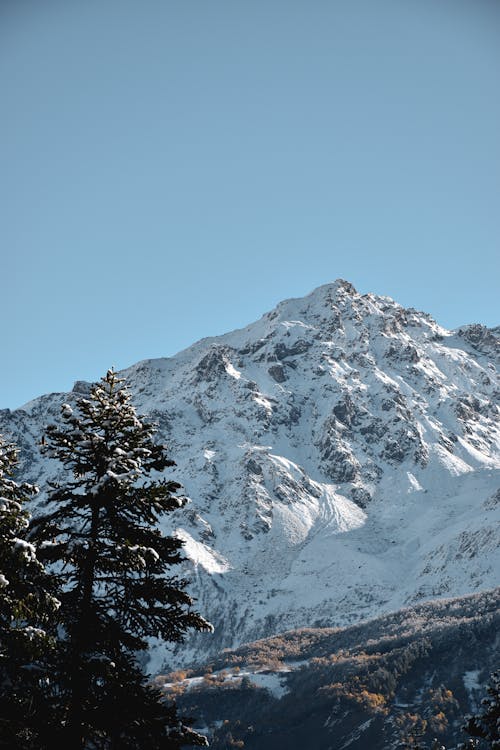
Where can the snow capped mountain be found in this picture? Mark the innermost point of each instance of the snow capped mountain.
(341, 455)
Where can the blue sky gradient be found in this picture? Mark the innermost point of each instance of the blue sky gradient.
(172, 170)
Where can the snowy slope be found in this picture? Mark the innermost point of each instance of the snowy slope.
(341, 455)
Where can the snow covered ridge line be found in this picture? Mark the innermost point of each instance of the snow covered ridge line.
(341, 455)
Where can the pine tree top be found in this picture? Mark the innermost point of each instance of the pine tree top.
(101, 528)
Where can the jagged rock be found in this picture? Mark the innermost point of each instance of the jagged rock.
(481, 338)
(404, 442)
(282, 351)
(340, 464)
(245, 532)
(294, 414)
(345, 411)
(467, 408)
(213, 364)
(492, 502)
(346, 286)
(361, 496)
(277, 373)
(254, 347)
(448, 444)
(81, 387)
(253, 467)
(373, 430)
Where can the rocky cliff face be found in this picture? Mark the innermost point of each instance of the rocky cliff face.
(341, 455)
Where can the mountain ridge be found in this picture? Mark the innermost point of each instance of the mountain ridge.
(341, 454)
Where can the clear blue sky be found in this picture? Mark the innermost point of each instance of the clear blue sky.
(172, 169)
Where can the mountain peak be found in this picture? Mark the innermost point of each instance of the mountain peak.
(333, 288)
(325, 295)
(342, 440)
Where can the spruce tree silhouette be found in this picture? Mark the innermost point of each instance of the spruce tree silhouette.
(27, 609)
(113, 566)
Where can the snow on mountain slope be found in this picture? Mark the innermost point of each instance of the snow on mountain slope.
(342, 457)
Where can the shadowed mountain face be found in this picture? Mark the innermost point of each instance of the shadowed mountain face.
(415, 673)
(341, 455)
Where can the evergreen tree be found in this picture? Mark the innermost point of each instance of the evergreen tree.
(27, 607)
(100, 534)
(486, 724)
(483, 728)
